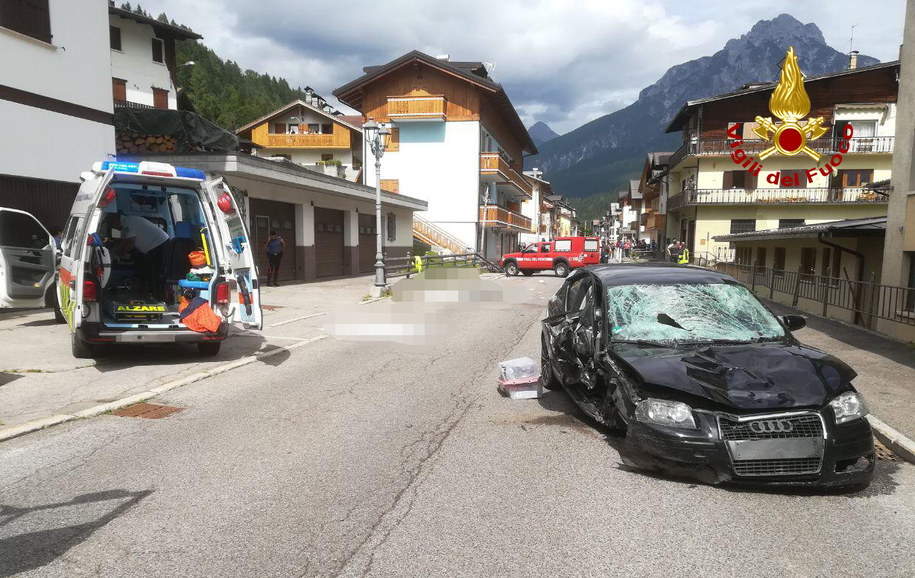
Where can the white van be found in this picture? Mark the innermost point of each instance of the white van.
(134, 245)
(26, 261)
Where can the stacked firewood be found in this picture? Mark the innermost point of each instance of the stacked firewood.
(129, 142)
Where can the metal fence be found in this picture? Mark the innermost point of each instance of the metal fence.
(867, 300)
(406, 266)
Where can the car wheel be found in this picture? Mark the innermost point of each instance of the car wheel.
(81, 349)
(511, 268)
(546, 369)
(209, 348)
(527, 273)
(561, 269)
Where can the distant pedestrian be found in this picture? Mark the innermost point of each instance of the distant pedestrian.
(672, 251)
(274, 248)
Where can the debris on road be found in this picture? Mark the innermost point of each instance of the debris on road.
(520, 378)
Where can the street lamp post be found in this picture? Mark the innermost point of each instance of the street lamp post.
(374, 135)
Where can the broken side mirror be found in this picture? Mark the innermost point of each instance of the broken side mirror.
(794, 322)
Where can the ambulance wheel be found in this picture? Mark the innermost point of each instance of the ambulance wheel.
(527, 273)
(209, 348)
(511, 268)
(81, 349)
(561, 269)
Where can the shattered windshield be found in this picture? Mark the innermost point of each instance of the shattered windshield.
(689, 313)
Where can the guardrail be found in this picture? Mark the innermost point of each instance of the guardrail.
(867, 300)
(827, 144)
(406, 266)
(773, 196)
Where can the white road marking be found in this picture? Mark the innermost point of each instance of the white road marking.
(297, 319)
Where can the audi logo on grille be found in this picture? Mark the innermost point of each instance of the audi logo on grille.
(771, 426)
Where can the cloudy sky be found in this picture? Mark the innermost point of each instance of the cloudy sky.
(562, 62)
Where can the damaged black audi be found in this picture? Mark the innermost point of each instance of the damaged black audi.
(700, 379)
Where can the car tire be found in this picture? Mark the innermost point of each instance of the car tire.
(511, 268)
(81, 349)
(561, 269)
(547, 377)
(527, 273)
(209, 348)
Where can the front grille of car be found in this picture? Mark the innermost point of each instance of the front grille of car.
(780, 467)
(802, 426)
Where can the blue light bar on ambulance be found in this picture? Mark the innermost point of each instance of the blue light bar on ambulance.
(150, 168)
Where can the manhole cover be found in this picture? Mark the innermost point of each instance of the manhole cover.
(884, 453)
(147, 410)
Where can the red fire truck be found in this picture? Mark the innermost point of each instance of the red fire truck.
(561, 255)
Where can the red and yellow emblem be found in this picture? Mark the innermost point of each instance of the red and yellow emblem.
(790, 103)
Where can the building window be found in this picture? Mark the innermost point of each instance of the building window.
(392, 227)
(789, 223)
(743, 255)
(115, 33)
(855, 178)
(808, 260)
(29, 17)
(327, 129)
(160, 98)
(742, 226)
(327, 157)
(738, 180)
(157, 51)
(761, 256)
(779, 263)
(119, 89)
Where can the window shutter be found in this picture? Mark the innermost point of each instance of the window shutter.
(29, 17)
(728, 180)
(119, 89)
(392, 141)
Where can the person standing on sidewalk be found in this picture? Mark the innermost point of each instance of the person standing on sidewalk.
(274, 247)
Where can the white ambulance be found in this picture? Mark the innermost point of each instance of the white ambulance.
(144, 238)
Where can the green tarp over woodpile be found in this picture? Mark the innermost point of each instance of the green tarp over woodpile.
(190, 131)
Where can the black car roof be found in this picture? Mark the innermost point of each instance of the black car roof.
(656, 274)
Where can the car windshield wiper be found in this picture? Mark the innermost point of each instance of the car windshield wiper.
(730, 341)
(640, 342)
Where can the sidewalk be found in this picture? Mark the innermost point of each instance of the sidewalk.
(886, 368)
(40, 379)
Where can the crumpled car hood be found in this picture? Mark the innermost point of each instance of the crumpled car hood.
(745, 377)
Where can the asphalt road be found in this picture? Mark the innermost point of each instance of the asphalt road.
(376, 459)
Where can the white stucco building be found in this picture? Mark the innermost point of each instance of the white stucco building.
(457, 143)
(55, 103)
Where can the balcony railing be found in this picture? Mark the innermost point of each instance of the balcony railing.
(494, 166)
(825, 145)
(128, 104)
(333, 140)
(416, 108)
(495, 216)
(846, 195)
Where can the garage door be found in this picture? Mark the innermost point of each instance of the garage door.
(328, 242)
(367, 243)
(269, 216)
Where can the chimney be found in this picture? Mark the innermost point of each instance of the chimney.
(853, 60)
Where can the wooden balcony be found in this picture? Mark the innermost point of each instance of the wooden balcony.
(766, 196)
(494, 168)
(308, 141)
(416, 108)
(656, 222)
(495, 216)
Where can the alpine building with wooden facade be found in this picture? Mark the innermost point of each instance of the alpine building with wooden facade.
(457, 142)
(311, 133)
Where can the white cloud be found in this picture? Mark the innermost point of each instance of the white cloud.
(562, 62)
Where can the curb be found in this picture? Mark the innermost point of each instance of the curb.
(893, 439)
(46, 422)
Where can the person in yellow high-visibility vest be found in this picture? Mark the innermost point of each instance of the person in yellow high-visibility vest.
(418, 263)
(684, 257)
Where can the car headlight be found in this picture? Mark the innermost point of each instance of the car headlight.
(848, 406)
(663, 412)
